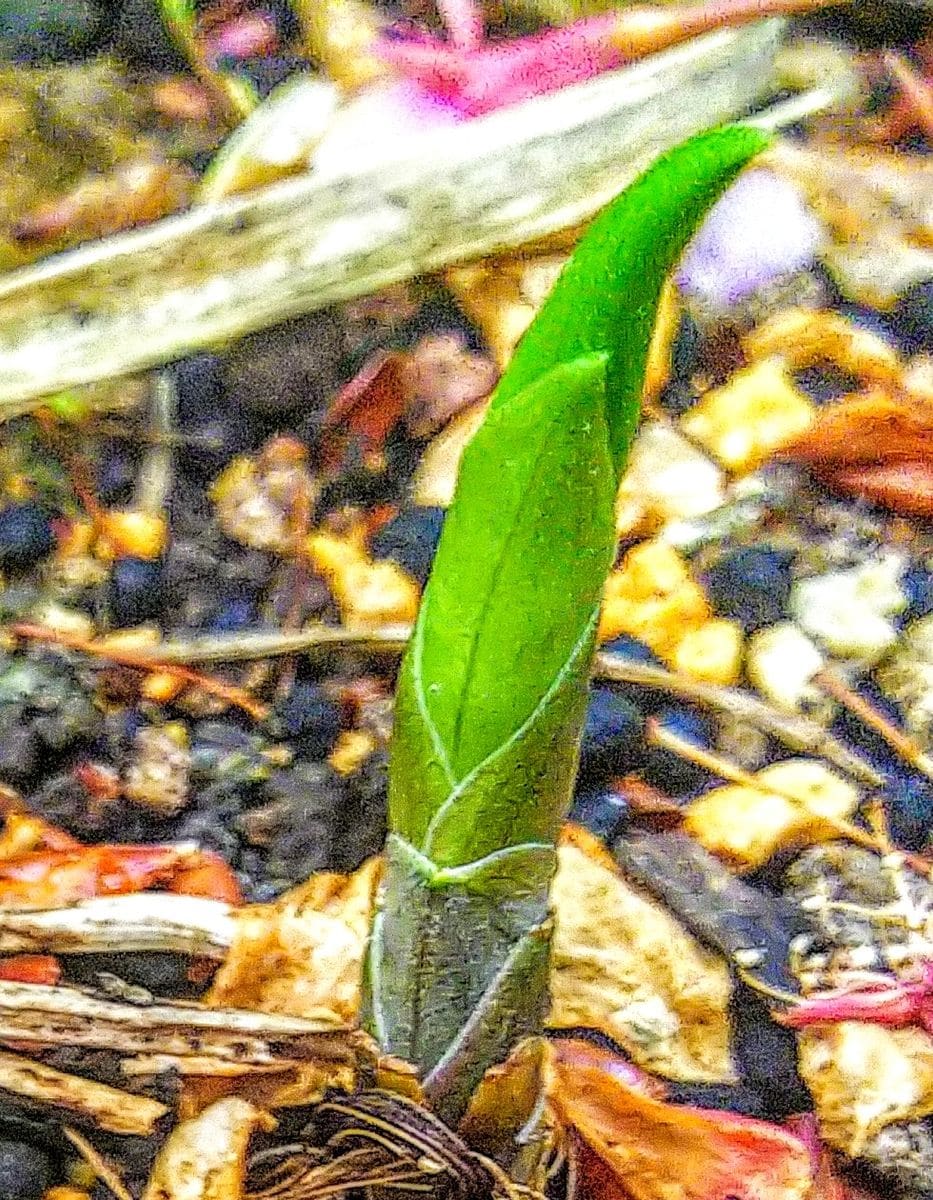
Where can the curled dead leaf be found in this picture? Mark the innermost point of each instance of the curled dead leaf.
(903, 487)
(304, 952)
(628, 1145)
(205, 1158)
(876, 446)
(622, 964)
(865, 430)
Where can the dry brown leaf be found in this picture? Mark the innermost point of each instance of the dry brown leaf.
(863, 1077)
(205, 1158)
(620, 962)
(305, 952)
(865, 430)
(623, 964)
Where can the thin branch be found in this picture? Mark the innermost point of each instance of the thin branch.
(229, 692)
(797, 733)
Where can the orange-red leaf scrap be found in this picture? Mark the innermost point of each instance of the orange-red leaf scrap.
(629, 1146)
(876, 446)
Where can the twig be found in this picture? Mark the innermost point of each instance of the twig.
(798, 733)
(389, 640)
(140, 661)
(105, 1171)
(64, 1016)
(99, 1105)
(717, 765)
(144, 922)
(829, 682)
(155, 471)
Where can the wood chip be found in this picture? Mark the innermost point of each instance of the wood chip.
(144, 922)
(64, 1016)
(94, 1103)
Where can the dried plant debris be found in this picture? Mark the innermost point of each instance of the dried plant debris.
(748, 926)
(205, 1158)
(623, 964)
(305, 952)
(64, 1016)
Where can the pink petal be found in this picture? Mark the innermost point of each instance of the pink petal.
(502, 73)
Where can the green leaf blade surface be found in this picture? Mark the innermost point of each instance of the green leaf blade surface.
(607, 296)
(522, 559)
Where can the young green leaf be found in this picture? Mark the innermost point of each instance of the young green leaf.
(493, 688)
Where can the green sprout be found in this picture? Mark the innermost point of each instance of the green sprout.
(492, 692)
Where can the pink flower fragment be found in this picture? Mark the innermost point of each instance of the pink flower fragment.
(896, 1004)
(495, 74)
(760, 230)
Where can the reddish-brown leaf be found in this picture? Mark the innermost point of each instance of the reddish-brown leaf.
(630, 1146)
(865, 430)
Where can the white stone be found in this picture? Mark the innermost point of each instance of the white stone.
(781, 661)
(849, 612)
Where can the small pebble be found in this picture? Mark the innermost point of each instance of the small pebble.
(411, 540)
(746, 826)
(669, 771)
(234, 614)
(135, 591)
(912, 318)
(25, 1171)
(311, 720)
(759, 231)
(26, 534)
(751, 585)
(780, 662)
(667, 479)
(602, 811)
(711, 653)
(849, 612)
(613, 735)
(158, 775)
(750, 416)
